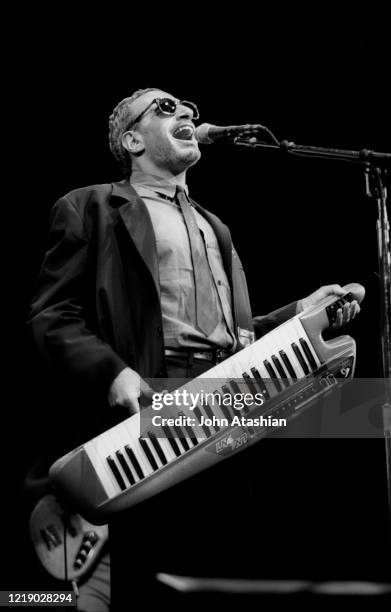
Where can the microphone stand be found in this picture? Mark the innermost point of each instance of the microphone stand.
(377, 172)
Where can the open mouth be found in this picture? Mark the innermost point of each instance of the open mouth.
(184, 132)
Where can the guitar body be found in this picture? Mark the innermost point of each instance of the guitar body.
(67, 545)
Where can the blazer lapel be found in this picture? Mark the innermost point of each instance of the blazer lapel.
(137, 221)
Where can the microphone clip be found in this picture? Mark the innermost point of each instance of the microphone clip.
(246, 141)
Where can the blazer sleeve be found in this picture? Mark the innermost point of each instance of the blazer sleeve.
(265, 323)
(58, 315)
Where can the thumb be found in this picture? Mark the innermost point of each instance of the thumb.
(335, 290)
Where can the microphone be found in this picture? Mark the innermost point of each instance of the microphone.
(207, 133)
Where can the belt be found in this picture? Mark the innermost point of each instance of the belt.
(213, 355)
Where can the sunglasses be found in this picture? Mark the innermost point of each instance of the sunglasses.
(167, 106)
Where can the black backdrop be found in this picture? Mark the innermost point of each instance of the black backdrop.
(296, 223)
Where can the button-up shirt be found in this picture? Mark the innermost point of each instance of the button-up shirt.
(176, 275)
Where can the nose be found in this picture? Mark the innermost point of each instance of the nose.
(184, 112)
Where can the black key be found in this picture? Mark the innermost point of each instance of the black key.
(125, 467)
(300, 358)
(134, 461)
(288, 365)
(198, 414)
(235, 386)
(148, 454)
(236, 389)
(179, 434)
(116, 472)
(261, 383)
(172, 441)
(226, 390)
(280, 370)
(209, 413)
(189, 430)
(249, 383)
(272, 373)
(308, 354)
(157, 448)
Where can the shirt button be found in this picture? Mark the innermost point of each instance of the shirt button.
(159, 330)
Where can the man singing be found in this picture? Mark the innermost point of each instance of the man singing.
(139, 281)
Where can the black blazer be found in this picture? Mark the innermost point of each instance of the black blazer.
(96, 308)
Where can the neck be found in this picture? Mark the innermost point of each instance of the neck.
(163, 173)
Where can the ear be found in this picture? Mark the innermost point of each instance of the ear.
(133, 142)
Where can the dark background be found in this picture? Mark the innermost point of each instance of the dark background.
(297, 224)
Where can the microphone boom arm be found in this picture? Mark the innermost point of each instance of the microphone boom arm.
(362, 156)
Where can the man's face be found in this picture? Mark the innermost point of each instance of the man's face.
(168, 140)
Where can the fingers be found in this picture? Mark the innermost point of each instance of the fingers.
(357, 308)
(130, 403)
(124, 399)
(350, 310)
(338, 321)
(133, 405)
(346, 313)
(125, 390)
(145, 389)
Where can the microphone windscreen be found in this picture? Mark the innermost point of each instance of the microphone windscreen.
(202, 133)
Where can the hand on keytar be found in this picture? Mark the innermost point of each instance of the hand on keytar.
(126, 389)
(344, 315)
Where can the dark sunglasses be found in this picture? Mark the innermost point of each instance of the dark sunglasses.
(167, 106)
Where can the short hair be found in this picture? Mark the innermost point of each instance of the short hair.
(118, 123)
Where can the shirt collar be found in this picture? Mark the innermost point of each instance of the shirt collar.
(164, 186)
